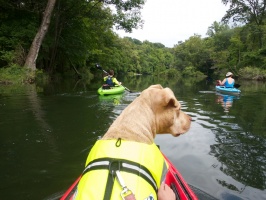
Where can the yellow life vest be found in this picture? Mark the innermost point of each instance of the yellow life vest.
(142, 174)
(112, 81)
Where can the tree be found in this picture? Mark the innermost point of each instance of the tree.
(248, 12)
(37, 42)
(245, 11)
(221, 34)
(126, 16)
(216, 28)
(236, 48)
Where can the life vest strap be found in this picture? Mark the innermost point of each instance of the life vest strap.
(113, 164)
(126, 192)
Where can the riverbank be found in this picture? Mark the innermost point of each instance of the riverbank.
(19, 75)
(249, 73)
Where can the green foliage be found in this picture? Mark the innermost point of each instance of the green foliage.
(245, 11)
(171, 73)
(193, 52)
(17, 28)
(13, 74)
(41, 77)
(81, 34)
(253, 73)
(250, 12)
(216, 28)
(190, 71)
(127, 15)
(17, 75)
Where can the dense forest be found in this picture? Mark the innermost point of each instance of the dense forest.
(67, 38)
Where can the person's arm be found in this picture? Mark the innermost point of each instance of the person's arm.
(223, 82)
(116, 82)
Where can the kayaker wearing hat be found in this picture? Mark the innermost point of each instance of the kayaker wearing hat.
(228, 82)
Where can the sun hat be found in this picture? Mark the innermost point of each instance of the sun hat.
(229, 74)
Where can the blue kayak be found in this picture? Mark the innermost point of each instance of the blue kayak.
(227, 90)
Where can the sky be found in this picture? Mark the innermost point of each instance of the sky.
(170, 21)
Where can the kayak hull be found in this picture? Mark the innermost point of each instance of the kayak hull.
(113, 90)
(227, 90)
(173, 178)
(178, 184)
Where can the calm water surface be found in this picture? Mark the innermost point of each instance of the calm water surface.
(47, 132)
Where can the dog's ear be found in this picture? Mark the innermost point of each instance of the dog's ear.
(172, 102)
(163, 96)
(158, 86)
(169, 98)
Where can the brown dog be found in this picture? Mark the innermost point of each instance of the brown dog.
(127, 155)
(155, 111)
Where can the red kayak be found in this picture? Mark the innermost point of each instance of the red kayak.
(178, 184)
(173, 179)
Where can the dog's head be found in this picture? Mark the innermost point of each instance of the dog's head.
(169, 118)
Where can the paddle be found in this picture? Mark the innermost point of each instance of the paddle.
(99, 67)
(237, 85)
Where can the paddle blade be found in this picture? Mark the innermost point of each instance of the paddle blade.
(237, 85)
(98, 66)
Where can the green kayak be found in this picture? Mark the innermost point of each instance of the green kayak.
(113, 90)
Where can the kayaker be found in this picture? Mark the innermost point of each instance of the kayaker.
(228, 82)
(110, 79)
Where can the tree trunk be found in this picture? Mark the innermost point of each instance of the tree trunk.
(37, 42)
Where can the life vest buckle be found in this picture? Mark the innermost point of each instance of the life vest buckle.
(126, 193)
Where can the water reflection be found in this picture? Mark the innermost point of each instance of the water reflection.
(226, 101)
(239, 141)
(241, 157)
(115, 104)
(114, 99)
(241, 154)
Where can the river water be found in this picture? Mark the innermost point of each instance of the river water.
(47, 131)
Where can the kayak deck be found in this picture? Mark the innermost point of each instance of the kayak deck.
(173, 178)
(113, 90)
